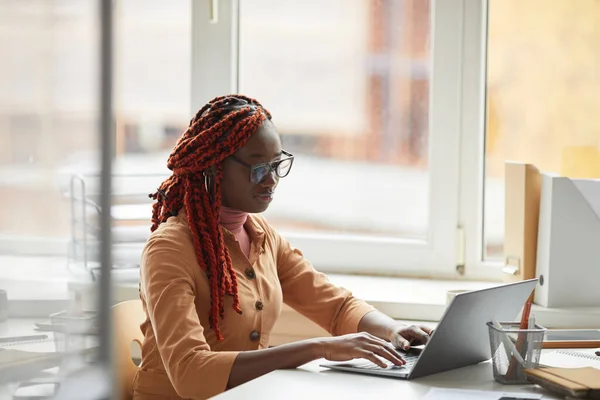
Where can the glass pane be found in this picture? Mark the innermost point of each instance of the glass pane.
(49, 161)
(347, 82)
(543, 81)
(153, 73)
(152, 101)
(152, 106)
(48, 119)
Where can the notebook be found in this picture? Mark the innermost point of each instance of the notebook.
(573, 382)
(35, 343)
(571, 359)
(22, 358)
(18, 364)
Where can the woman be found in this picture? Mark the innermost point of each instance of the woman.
(214, 273)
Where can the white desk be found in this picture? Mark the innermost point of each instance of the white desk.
(311, 381)
(52, 373)
(314, 382)
(19, 327)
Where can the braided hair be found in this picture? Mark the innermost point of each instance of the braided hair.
(218, 130)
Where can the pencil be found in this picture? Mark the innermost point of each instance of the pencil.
(521, 339)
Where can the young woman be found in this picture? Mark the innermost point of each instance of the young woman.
(214, 273)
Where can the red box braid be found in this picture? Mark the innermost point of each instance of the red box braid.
(218, 130)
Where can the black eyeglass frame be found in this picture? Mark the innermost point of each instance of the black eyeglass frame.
(273, 166)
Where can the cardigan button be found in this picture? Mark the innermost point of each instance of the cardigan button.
(254, 336)
(250, 274)
(259, 305)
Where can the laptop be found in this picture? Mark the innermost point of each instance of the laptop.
(460, 339)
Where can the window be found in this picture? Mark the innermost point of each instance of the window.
(152, 89)
(400, 114)
(152, 106)
(362, 145)
(357, 97)
(543, 80)
(47, 115)
(49, 131)
(48, 119)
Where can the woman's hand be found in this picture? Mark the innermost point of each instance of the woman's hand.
(360, 345)
(405, 336)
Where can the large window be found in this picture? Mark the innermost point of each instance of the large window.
(48, 119)
(400, 114)
(358, 92)
(152, 68)
(349, 91)
(49, 148)
(152, 106)
(543, 80)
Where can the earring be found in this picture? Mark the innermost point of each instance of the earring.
(208, 184)
(206, 181)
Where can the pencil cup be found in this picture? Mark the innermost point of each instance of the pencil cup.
(514, 350)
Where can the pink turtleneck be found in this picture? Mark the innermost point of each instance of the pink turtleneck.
(233, 221)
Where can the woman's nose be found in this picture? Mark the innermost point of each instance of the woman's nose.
(270, 180)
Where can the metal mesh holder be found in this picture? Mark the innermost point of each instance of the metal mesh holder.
(509, 368)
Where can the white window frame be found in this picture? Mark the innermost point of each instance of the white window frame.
(459, 37)
(472, 162)
(215, 66)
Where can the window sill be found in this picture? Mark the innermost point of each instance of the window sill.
(405, 299)
(45, 288)
(410, 299)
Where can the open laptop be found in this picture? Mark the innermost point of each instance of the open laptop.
(460, 339)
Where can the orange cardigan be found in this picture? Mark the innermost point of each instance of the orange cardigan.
(182, 359)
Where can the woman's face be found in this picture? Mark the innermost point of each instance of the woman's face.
(237, 191)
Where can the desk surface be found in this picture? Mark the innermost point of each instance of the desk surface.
(312, 381)
(26, 326)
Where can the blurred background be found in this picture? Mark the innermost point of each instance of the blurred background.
(348, 88)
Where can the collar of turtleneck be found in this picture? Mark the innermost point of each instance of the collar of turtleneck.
(233, 220)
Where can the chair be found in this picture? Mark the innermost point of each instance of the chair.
(127, 317)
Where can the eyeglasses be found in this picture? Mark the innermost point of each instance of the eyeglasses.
(259, 172)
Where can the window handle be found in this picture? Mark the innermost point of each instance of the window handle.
(512, 265)
(213, 13)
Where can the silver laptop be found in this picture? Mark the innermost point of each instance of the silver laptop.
(460, 339)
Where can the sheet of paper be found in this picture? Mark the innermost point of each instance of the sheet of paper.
(461, 394)
(575, 358)
(36, 390)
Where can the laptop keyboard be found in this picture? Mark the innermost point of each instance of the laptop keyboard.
(410, 359)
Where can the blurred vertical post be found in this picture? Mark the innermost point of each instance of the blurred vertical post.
(107, 149)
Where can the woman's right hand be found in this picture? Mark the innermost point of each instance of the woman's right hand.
(360, 345)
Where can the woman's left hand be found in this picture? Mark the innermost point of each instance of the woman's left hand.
(404, 336)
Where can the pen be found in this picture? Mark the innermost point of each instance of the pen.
(522, 336)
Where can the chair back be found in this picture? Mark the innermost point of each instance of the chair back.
(127, 317)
